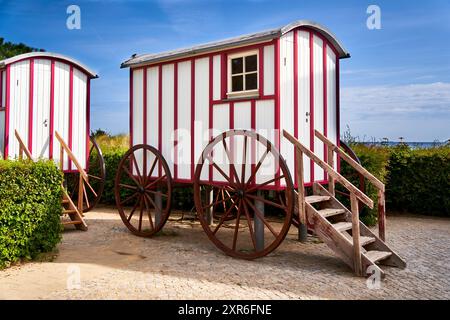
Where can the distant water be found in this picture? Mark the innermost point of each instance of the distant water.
(414, 145)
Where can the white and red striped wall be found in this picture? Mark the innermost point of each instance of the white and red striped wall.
(42, 94)
(298, 73)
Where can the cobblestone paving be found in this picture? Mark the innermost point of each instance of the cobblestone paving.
(181, 263)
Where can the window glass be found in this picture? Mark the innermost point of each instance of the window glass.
(237, 83)
(251, 82)
(237, 65)
(251, 63)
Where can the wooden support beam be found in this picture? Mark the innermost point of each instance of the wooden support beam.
(302, 229)
(356, 235)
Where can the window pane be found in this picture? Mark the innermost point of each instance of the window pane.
(251, 82)
(251, 63)
(237, 65)
(237, 83)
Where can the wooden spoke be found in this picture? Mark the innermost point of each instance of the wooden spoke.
(131, 176)
(141, 212)
(217, 202)
(250, 227)
(151, 170)
(157, 193)
(149, 213)
(127, 186)
(258, 165)
(244, 160)
(94, 177)
(270, 203)
(231, 161)
(236, 228)
(221, 172)
(133, 157)
(259, 186)
(133, 210)
(223, 218)
(261, 217)
(129, 198)
(152, 202)
(155, 182)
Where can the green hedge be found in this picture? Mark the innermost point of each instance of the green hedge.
(30, 209)
(419, 180)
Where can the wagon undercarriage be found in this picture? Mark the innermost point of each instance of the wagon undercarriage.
(245, 200)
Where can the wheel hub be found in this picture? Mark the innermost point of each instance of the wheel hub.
(141, 189)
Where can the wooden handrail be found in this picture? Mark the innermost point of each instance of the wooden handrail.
(374, 180)
(71, 156)
(331, 172)
(22, 146)
(366, 174)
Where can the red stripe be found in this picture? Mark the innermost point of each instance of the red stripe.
(1, 89)
(175, 121)
(261, 71)
(70, 114)
(88, 119)
(338, 115)
(277, 101)
(223, 76)
(144, 117)
(192, 115)
(253, 125)
(160, 115)
(295, 99)
(8, 77)
(231, 115)
(325, 105)
(311, 98)
(30, 108)
(131, 107)
(210, 111)
(52, 108)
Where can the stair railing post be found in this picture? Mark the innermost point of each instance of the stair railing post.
(61, 157)
(356, 234)
(80, 193)
(381, 215)
(302, 228)
(331, 182)
(20, 153)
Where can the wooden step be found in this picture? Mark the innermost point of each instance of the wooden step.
(69, 211)
(342, 226)
(65, 201)
(329, 212)
(72, 222)
(316, 199)
(375, 255)
(362, 240)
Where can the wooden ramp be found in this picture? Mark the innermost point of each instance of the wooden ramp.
(340, 228)
(74, 212)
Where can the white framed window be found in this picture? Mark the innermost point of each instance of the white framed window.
(243, 71)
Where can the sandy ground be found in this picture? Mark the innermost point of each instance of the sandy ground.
(107, 262)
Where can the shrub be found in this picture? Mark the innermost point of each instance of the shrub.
(375, 159)
(419, 180)
(30, 209)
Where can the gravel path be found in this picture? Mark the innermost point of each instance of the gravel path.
(181, 263)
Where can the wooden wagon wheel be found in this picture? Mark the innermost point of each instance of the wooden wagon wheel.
(143, 190)
(96, 172)
(248, 164)
(361, 180)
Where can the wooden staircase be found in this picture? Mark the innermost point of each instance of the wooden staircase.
(337, 226)
(74, 212)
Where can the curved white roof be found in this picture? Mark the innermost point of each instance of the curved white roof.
(268, 35)
(44, 54)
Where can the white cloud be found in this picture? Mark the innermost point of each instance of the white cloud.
(430, 100)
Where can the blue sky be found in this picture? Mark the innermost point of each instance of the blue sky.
(397, 82)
